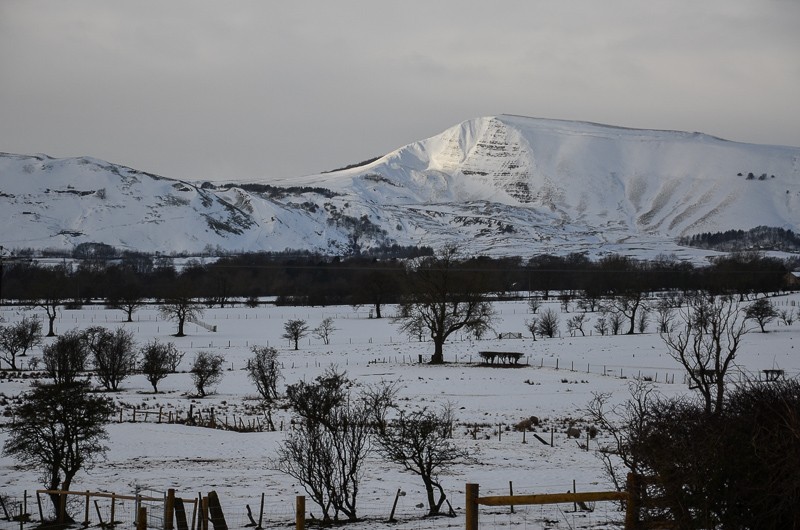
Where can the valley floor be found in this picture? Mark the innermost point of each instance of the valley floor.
(557, 382)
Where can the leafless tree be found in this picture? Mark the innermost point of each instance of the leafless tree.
(180, 308)
(206, 371)
(324, 330)
(548, 323)
(601, 325)
(787, 316)
(643, 319)
(420, 442)
(534, 303)
(113, 354)
(623, 423)
(664, 315)
(326, 452)
(66, 358)
(159, 359)
(627, 304)
(575, 324)
(443, 300)
(762, 311)
(706, 348)
(127, 298)
(294, 330)
(17, 339)
(264, 372)
(58, 429)
(50, 295)
(533, 326)
(615, 321)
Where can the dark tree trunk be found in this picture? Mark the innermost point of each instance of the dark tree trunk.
(438, 355)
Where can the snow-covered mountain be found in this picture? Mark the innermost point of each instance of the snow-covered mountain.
(503, 185)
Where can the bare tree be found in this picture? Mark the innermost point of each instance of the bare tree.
(615, 321)
(643, 319)
(420, 442)
(49, 295)
(706, 349)
(534, 303)
(623, 424)
(127, 298)
(180, 308)
(113, 354)
(533, 326)
(159, 359)
(565, 299)
(17, 339)
(206, 371)
(664, 315)
(627, 304)
(762, 311)
(324, 330)
(264, 372)
(442, 300)
(787, 316)
(601, 325)
(548, 323)
(575, 324)
(327, 450)
(66, 358)
(294, 330)
(58, 429)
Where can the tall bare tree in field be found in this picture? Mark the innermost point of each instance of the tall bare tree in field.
(704, 340)
(442, 300)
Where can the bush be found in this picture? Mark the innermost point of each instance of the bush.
(734, 468)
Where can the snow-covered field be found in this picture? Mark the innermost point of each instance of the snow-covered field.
(560, 377)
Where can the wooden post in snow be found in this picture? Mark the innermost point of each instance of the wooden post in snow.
(471, 507)
(300, 513)
(141, 519)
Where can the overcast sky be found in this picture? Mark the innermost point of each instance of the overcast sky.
(258, 90)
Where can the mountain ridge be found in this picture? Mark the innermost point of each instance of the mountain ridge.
(498, 185)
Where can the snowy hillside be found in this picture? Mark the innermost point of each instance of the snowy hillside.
(504, 185)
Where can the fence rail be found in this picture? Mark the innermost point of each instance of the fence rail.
(474, 500)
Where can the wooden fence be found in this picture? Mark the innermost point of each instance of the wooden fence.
(474, 500)
(169, 502)
(206, 511)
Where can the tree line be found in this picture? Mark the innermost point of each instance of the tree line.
(314, 279)
(759, 238)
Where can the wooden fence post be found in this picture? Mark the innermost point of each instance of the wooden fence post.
(113, 509)
(204, 514)
(471, 507)
(141, 518)
(169, 507)
(300, 513)
(86, 511)
(632, 508)
(261, 513)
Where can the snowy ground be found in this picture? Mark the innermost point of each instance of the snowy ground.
(561, 376)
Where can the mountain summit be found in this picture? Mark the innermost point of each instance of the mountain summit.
(502, 185)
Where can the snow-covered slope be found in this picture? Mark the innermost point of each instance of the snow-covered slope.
(499, 185)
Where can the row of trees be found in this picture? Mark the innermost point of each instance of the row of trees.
(320, 280)
(59, 427)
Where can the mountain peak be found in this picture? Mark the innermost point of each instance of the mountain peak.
(501, 185)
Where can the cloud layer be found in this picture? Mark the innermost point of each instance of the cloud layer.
(261, 90)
